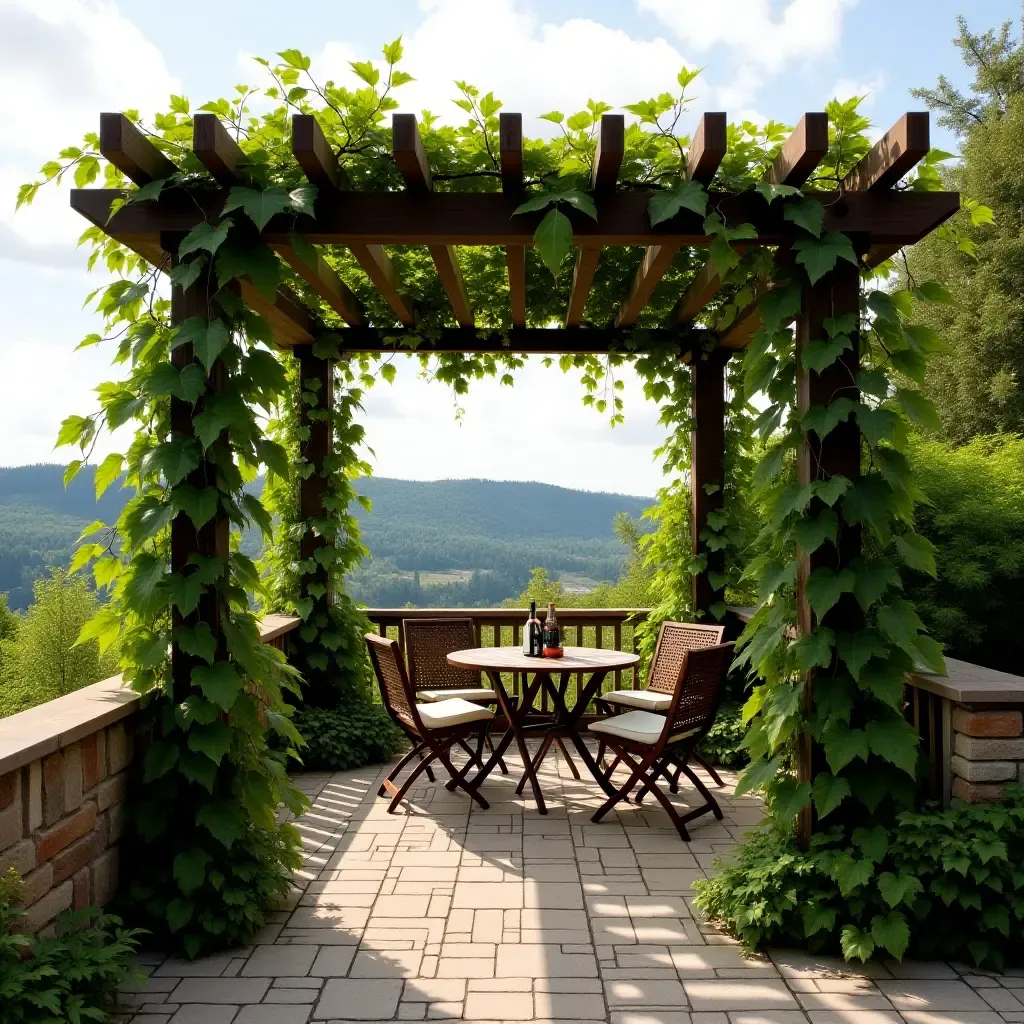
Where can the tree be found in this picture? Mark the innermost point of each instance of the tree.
(43, 660)
(976, 382)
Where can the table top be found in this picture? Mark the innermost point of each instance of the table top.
(512, 659)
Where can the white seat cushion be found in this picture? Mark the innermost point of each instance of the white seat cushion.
(639, 726)
(646, 699)
(443, 714)
(472, 693)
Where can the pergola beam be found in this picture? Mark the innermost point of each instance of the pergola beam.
(905, 144)
(324, 280)
(510, 149)
(314, 155)
(411, 158)
(289, 319)
(217, 151)
(123, 145)
(485, 218)
(707, 150)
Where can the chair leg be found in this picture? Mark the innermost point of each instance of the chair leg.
(459, 777)
(715, 777)
(501, 761)
(702, 789)
(652, 785)
(472, 757)
(399, 794)
(623, 793)
(418, 748)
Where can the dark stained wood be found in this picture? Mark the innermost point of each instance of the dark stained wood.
(582, 278)
(738, 334)
(657, 259)
(314, 155)
(698, 294)
(902, 146)
(528, 340)
(316, 449)
(838, 292)
(289, 319)
(131, 152)
(410, 157)
(320, 165)
(450, 272)
(707, 466)
(324, 280)
(611, 145)
(485, 218)
(707, 149)
(217, 151)
(801, 152)
(510, 146)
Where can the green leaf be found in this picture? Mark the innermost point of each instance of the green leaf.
(190, 870)
(855, 943)
(877, 425)
(219, 682)
(540, 201)
(789, 798)
(258, 205)
(107, 472)
(895, 740)
(891, 933)
(843, 745)
(825, 586)
(161, 757)
(824, 419)
(772, 192)
(195, 709)
(901, 624)
(819, 255)
(199, 505)
(832, 489)
(806, 213)
(812, 650)
(918, 552)
(823, 352)
(856, 649)
(758, 775)
(872, 842)
(919, 409)
(553, 239)
(179, 913)
(224, 819)
(884, 679)
(817, 918)
(873, 577)
(257, 263)
(184, 275)
(851, 873)
(295, 59)
(205, 236)
(197, 640)
(896, 890)
(829, 792)
(690, 195)
(175, 459)
(810, 534)
(213, 740)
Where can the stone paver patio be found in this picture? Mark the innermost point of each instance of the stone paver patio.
(450, 912)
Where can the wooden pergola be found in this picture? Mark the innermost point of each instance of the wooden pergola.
(878, 219)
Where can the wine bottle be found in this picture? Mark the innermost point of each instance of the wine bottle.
(552, 635)
(532, 638)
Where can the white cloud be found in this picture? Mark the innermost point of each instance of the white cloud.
(805, 30)
(870, 88)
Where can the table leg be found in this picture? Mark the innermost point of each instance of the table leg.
(572, 718)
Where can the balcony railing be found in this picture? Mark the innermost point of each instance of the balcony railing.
(608, 628)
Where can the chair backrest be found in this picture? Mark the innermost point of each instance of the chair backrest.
(698, 692)
(395, 691)
(674, 640)
(428, 642)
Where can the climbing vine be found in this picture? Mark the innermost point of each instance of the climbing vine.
(213, 404)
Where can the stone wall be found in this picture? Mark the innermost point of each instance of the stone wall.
(988, 750)
(62, 785)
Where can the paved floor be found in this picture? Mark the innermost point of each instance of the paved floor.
(450, 912)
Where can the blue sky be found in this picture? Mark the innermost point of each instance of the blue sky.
(66, 60)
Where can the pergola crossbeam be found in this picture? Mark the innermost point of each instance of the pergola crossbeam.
(411, 159)
(707, 150)
(123, 145)
(905, 144)
(510, 150)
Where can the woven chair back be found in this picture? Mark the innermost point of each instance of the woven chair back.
(428, 642)
(700, 689)
(674, 641)
(395, 692)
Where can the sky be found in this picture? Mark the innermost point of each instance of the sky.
(64, 61)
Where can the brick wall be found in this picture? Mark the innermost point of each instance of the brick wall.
(60, 820)
(988, 750)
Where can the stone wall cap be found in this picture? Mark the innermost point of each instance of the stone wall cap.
(967, 683)
(46, 728)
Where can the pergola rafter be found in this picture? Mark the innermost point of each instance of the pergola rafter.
(865, 207)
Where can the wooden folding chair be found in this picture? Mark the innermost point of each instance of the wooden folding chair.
(428, 642)
(674, 638)
(433, 728)
(650, 743)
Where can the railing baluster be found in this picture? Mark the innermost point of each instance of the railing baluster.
(617, 644)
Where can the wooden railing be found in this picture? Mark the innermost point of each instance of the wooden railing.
(608, 628)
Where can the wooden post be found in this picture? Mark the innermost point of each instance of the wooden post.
(707, 468)
(315, 374)
(213, 538)
(836, 294)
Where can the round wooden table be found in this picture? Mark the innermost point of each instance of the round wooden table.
(587, 660)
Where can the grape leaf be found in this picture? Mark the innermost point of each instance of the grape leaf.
(553, 239)
(819, 255)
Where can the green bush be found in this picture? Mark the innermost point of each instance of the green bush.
(722, 746)
(945, 884)
(975, 519)
(71, 977)
(348, 736)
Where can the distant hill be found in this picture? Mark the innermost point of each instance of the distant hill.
(500, 529)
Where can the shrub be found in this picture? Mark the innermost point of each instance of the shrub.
(348, 736)
(73, 976)
(722, 745)
(944, 884)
